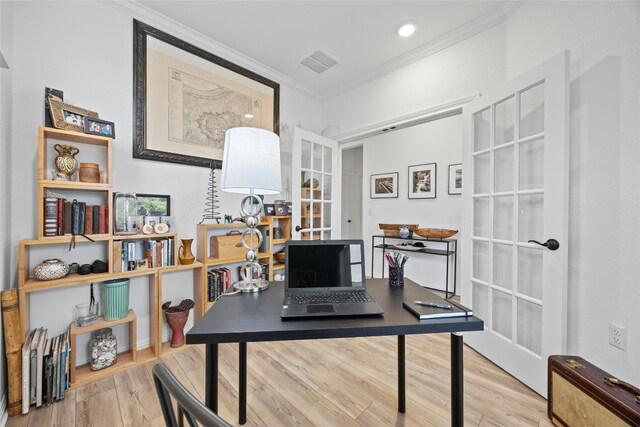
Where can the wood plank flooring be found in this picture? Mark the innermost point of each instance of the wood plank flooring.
(339, 382)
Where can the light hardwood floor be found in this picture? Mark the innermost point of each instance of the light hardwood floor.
(339, 382)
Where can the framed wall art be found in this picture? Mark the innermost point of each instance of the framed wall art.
(455, 178)
(67, 116)
(153, 205)
(185, 99)
(384, 185)
(422, 181)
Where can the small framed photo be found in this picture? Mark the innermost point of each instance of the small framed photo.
(384, 186)
(154, 204)
(455, 178)
(170, 221)
(422, 181)
(67, 116)
(141, 264)
(99, 127)
(134, 224)
(151, 220)
(269, 209)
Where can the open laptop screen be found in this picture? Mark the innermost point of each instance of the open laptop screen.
(324, 264)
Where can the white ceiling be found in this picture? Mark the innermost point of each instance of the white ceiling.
(359, 34)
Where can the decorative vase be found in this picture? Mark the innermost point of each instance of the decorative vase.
(104, 349)
(51, 269)
(176, 318)
(66, 162)
(184, 252)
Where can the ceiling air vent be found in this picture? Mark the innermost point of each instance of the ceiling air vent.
(319, 62)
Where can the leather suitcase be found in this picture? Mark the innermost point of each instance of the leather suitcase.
(581, 394)
(227, 246)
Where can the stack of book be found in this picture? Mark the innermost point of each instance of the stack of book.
(45, 368)
(62, 216)
(155, 253)
(218, 281)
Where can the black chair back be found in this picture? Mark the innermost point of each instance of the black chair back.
(189, 407)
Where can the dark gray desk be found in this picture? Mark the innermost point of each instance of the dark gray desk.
(244, 318)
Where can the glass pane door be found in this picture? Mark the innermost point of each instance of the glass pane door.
(314, 186)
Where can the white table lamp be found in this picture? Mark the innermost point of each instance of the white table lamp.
(251, 165)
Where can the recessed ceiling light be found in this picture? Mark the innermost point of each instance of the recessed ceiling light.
(406, 29)
(248, 116)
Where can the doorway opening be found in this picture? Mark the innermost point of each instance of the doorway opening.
(351, 215)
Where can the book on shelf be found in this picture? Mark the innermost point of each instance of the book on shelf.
(103, 219)
(50, 216)
(117, 256)
(436, 309)
(46, 374)
(82, 207)
(33, 366)
(66, 217)
(55, 357)
(96, 219)
(88, 219)
(75, 217)
(26, 357)
(60, 217)
(39, 365)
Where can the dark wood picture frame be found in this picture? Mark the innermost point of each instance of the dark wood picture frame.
(147, 200)
(99, 127)
(141, 148)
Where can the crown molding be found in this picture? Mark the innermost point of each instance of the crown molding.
(352, 138)
(162, 22)
(453, 37)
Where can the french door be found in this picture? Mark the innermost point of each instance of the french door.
(315, 187)
(516, 154)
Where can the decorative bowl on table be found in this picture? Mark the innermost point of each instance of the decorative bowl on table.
(393, 230)
(435, 233)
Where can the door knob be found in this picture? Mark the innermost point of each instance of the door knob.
(349, 221)
(551, 244)
(298, 228)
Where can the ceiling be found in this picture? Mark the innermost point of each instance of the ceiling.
(360, 35)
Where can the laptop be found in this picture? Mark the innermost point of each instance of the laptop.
(326, 278)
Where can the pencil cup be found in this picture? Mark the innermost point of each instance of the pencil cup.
(396, 277)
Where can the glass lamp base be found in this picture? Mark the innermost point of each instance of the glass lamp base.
(256, 285)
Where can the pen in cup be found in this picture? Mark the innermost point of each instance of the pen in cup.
(433, 304)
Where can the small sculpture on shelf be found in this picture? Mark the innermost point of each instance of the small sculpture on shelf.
(176, 318)
(211, 210)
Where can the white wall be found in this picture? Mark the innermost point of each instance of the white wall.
(64, 46)
(437, 142)
(5, 175)
(604, 205)
(604, 229)
(446, 76)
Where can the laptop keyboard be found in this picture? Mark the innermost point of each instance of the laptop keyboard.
(328, 298)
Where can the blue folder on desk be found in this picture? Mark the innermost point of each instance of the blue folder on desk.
(326, 278)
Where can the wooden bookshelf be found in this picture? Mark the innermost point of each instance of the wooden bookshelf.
(27, 285)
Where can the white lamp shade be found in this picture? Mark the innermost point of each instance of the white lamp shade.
(251, 162)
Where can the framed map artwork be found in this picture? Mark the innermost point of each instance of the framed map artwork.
(185, 99)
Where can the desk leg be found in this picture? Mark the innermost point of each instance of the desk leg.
(457, 380)
(402, 394)
(211, 374)
(242, 382)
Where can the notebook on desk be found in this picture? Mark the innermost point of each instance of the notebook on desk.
(437, 309)
(326, 278)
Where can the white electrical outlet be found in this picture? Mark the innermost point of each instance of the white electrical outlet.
(618, 336)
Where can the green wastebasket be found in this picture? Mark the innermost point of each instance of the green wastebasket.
(115, 299)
